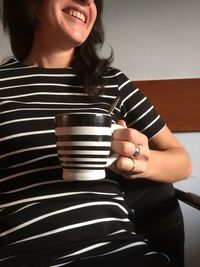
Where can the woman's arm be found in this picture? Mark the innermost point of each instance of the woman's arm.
(162, 158)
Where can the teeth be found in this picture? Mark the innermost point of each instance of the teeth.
(78, 15)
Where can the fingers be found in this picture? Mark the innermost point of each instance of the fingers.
(125, 164)
(130, 135)
(134, 150)
(123, 148)
(130, 166)
(129, 142)
(122, 123)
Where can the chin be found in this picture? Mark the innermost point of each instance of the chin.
(77, 43)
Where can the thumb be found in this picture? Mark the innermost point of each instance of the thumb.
(122, 123)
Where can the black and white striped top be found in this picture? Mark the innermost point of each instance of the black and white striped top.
(41, 214)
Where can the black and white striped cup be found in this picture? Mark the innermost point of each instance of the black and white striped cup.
(84, 144)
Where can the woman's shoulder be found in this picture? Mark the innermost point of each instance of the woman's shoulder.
(117, 74)
(113, 71)
(8, 61)
(8, 64)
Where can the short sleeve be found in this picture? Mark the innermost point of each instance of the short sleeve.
(137, 110)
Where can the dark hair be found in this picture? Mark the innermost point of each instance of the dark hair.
(19, 21)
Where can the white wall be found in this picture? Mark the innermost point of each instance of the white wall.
(5, 50)
(158, 39)
(155, 39)
(191, 216)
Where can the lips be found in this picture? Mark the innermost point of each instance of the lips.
(76, 14)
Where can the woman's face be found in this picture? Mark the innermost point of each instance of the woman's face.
(65, 22)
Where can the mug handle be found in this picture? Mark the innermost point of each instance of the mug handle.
(113, 155)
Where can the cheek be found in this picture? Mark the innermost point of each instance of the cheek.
(94, 13)
(45, 11)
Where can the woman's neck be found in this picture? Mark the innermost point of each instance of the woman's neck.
(49, 58)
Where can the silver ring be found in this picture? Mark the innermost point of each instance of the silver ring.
(137, 151)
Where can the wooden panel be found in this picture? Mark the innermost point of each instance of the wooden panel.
(178, 101)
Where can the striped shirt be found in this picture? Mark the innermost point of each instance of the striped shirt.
(40, 213)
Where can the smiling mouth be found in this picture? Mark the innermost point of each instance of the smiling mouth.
(76, 14)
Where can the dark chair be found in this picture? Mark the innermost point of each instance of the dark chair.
(158, 215)
(159, 218)
(188, 198)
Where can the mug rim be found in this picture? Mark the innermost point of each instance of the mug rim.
(78, 113)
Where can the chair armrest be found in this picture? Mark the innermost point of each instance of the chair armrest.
(188, 198)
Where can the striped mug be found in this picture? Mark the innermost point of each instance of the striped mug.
(83, 143)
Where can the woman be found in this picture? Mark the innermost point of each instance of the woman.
(47, 221)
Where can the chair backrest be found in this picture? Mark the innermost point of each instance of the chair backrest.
(188, 198)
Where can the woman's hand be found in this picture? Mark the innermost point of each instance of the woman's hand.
(162, 158)
(132, 146)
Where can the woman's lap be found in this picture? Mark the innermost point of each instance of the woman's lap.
(83, 217)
